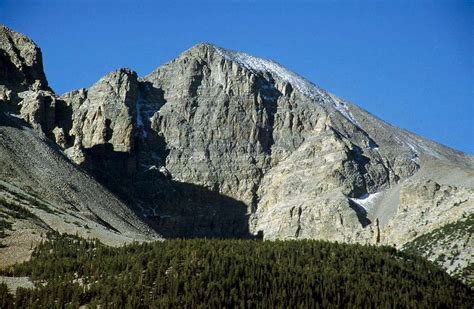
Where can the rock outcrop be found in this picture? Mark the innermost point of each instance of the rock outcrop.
(24, 88)
(21, 64)
(102, 115)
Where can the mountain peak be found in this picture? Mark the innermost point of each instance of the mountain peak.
(259, 65)
(202, 46)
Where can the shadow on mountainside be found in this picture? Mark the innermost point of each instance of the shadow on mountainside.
(189, 211)
(7, 120)
(361, 213)
(173, 209)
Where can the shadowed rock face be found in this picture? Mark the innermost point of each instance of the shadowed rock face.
(22, 80)
(218, 143)
(21, 63)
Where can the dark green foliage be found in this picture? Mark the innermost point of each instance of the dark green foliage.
(446, 236)
(43, 206)
(15, 210)
(233, 273)
(468, 273)
(6, 299)
(9, 209)
(4, 225)
(424, 242)
(23, 198)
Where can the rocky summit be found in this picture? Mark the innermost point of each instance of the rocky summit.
(218, 143)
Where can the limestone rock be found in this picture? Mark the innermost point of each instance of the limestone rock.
(297, 156)
(104, 114)
(21, 63)
(250, 129)
(23, 84)
(38, 109)
(425, 206)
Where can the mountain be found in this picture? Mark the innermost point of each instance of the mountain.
(218, 143)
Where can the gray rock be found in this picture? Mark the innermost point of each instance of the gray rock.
(38, 109)
(21, 64)
(104, 114)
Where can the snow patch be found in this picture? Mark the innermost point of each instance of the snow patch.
(259, 65)
(373, 145)
(342, 108)
(140, 123)
(270, 98)
(318, 95)
(416, 146)
(366, 201)
(18, 116)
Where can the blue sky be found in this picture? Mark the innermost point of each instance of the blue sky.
(408, 62)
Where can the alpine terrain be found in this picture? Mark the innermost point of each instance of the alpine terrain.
(218, 144)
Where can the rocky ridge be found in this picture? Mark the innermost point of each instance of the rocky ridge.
(41, 191)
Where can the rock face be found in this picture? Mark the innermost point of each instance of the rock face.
(451, 246)
(21, 63)
(427, 205)
(296, 155)
(56, 196)
(219, 143)
(226, 125)
(103, 115)
(23, 84)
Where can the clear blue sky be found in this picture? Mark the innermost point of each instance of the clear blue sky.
(411, 64)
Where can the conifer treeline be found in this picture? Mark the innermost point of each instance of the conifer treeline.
(231, 273)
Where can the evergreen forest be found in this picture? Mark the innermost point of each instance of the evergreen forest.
(69, 272)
